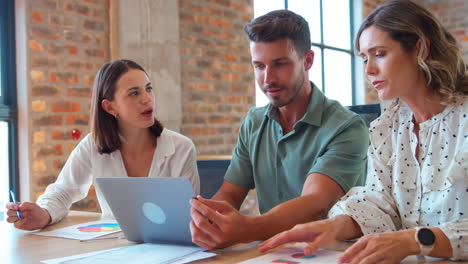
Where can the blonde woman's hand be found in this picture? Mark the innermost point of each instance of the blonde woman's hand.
(318, 234)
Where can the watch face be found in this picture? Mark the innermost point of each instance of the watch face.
(426, 236)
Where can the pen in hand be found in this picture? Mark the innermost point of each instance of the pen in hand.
(12, 194)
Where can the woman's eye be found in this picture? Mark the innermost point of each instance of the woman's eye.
(133, 93)
(149, 88)
(380, 54)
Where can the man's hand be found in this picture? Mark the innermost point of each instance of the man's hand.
(32, 216)
(216, 224)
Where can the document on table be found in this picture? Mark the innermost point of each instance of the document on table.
(83, 231)
(142, 253)
(294, 255)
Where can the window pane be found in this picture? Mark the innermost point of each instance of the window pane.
(1, 88)
(336, 28)
(262, 7)
(4, 172)
(315, 73)
(338, 84)
(260, 98)
(310, 10)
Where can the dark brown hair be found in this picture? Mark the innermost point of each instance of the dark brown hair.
(280, 24)
(104, 126)
(407, 23)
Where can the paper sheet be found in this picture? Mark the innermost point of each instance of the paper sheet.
(142, 253)
(294, 255)
(83, 231)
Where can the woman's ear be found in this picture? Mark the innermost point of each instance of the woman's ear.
(107, 106)
(423, 48)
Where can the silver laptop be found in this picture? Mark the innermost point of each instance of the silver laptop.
(151, 210)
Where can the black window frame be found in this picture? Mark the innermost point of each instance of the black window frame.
(349, 51)
(8, 103)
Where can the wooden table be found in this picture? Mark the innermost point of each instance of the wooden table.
(18, 247)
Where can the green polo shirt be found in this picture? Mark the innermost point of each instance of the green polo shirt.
(328, 139)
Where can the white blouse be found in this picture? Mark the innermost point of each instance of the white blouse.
(402, 192)
(175, 156)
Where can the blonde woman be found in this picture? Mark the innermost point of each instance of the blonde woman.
(414, 200)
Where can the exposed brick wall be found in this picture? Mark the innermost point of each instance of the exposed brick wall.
(68, 42)
(217, 81)
(452, 14)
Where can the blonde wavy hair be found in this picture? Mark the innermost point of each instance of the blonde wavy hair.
(407, 23)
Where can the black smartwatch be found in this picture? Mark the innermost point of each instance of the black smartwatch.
(426, 240)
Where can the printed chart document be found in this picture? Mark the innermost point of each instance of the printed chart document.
(293, 254)
(142, 253)
(83, 231)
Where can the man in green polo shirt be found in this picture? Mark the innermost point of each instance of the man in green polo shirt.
(301, 152)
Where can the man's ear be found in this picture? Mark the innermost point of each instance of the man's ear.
(107, 106)
(308, 60)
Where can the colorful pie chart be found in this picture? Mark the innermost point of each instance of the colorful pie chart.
(104, 227)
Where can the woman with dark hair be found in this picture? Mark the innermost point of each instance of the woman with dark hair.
(126, 140)
(414, 200)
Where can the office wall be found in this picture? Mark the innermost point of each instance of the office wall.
(217, 79)
(66, 43)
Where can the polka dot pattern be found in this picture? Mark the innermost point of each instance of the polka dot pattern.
(405, 190)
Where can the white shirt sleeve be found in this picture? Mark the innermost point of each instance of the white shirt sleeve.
(72, 184)
(372, 206)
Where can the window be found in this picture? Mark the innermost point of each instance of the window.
(8, 118)
(331, 25)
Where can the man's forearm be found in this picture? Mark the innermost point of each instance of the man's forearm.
(285, 216)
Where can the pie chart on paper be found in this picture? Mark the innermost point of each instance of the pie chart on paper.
(104, 227)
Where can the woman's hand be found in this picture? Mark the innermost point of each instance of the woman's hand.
(318, 234)
(388, 247)
(32, 216)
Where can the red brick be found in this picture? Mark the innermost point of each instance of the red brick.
(77, 119)
(77, 8)
(79, 92)
(35, 46)
(44, 62)
(58, 164)
(77, 36)
(95, 53)
(45, 181)
(94, 25)
(49, 151)
(58, 135)
(45, 90)
(65, 77)
(44, 33)
(48, 4)
(65, 107)
(54, 120)
(37, 16)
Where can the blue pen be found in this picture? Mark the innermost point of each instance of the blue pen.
(12, 194)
